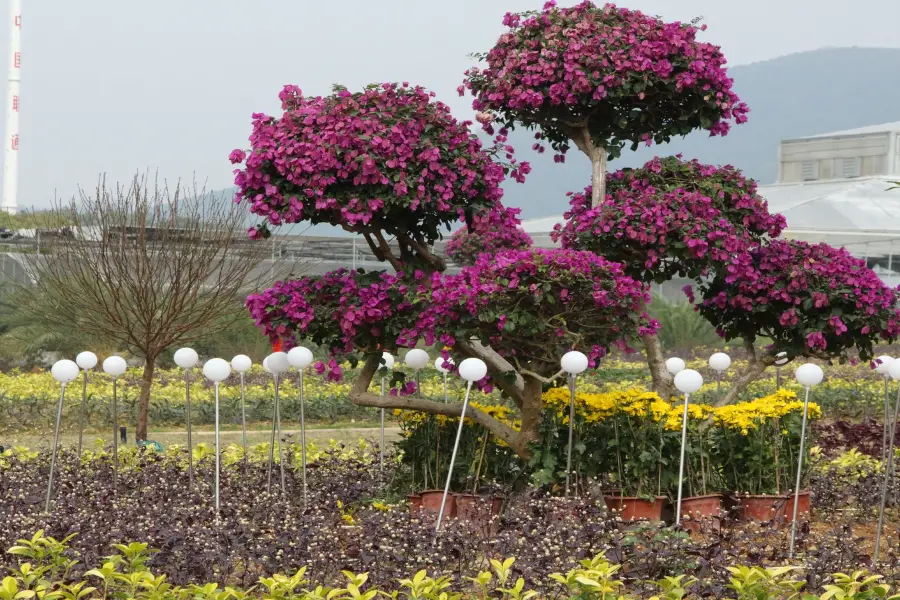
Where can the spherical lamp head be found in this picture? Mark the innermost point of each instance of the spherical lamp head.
(186, 358)
(574, 362)
(472, 369)
(719, 362)
(115, 366)
(241, 363)
(216, 370)
(688, 381)
(781, 359)
(675, 365)
(439, 364)
(894, 369)
(65, 371)
(416, 359)
(809, 375)
(300, 357)
(86, 360)
(882, 363)
(388, 361)
(266, 365)
(278, 363)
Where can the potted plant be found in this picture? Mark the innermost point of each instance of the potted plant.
(642, 448)
(757, 448)
(701, 479)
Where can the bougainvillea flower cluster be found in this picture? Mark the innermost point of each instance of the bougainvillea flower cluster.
(343, 311)
(491, 231)
(622, 74)
(670, 217)
(533, 305)
(809, 299)
(389, 158)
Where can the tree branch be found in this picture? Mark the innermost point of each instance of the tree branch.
(360, 396)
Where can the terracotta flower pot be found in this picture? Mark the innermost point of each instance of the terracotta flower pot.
(701, 508)
(479, 510)
(415, 503)
(633, 509)
(803, 506)
(761, 508)
(431, 503)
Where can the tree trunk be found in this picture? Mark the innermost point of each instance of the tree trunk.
(754, 370)
(530, 431)
(598, 175)
(662, 382)
(143, 415)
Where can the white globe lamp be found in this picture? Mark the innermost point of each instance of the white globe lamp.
(186, 358)
(278, 363)
(115, 366)
(388, 360)
(574, 362)
(416, 359)
(86, 360)
(65, 371)
(300, 357)
(216, 370)
(439, 364)
(882, 363)
(241, 363)
(675, 365)
(472, 369)
(809, 375)
(719, 362)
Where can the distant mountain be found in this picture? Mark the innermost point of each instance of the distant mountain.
(790, 96)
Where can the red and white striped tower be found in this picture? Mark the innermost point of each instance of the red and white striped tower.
(10, 202)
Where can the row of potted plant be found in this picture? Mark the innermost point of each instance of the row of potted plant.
(631, 439)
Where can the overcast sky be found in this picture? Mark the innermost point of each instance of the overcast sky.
(114, 86)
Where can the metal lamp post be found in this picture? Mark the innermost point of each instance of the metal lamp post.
(217, 371)
(894, 373)
(574, 363)
(65, 372)
(85, 361)
(808, 375)
(187, 359)
(277, 364)
(439, 365)
(688, 382)
(388, 361)
(115, 367)
(472, 370)
(241, 364)
(300, 358)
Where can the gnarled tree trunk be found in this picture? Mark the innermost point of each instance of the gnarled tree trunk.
(528, 399)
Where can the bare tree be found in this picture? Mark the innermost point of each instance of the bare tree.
(144, 268)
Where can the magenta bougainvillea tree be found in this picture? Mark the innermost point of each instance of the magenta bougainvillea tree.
(810, 300)
(491, 231)
(389, 160)
(392, 165)
(670, 218)
(601, 77)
